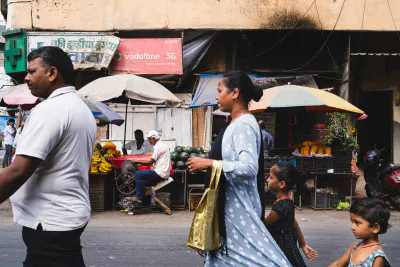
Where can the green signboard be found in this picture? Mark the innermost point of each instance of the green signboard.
(15, 51)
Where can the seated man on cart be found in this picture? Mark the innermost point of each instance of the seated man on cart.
(139, 145)
(161, 169)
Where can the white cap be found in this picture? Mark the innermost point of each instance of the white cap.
(153, 134)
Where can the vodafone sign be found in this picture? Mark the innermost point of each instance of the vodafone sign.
(149, 56)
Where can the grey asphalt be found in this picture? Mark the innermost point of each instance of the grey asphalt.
(118, 240)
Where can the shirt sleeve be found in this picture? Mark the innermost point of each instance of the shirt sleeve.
(41, 134)
(244, 160)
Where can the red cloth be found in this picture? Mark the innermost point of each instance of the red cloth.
(117, 162)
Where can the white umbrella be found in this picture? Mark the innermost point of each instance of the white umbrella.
(129, 86)
(21, 95)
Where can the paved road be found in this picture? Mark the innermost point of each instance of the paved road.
(119, 240)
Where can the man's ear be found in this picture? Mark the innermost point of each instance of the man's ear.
(53, 73)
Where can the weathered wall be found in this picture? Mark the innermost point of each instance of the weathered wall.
(106, 15)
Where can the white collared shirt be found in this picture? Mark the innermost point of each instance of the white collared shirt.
(60, 131)
(132, 146)
(162, 160)
(9, 135)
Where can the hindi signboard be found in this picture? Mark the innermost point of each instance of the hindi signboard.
(87, 50)
(149, 56)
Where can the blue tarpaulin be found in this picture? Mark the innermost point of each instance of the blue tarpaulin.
(206, 91)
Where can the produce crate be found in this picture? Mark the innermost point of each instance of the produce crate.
(323, 164)
(333, 201)
(304, 164)
(342, 161)
(322, 200)
(100, 181)
(269, 162)
(290, 160)
(100, 200)
(343, 168)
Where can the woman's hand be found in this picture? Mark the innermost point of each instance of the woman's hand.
(196, 164)
(309, 252)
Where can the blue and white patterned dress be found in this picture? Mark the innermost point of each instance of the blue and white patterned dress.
(369, 261)
(248, 240)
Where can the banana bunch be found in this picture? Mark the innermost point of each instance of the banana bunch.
(96, 160)
(104, 166)
(99, 164)
(94, 169)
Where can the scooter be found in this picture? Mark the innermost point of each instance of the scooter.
(382, 181)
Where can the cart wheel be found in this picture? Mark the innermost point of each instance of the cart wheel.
(127, 203)
(126, 183)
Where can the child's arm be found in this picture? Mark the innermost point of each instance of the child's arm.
(272, 218)
(379, 262)
(345, 259)
(308, 251)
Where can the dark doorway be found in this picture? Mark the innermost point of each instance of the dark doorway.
(377, 129)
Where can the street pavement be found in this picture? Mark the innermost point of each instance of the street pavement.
(117, 240)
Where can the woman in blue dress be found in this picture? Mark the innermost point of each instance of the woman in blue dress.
(246, 240)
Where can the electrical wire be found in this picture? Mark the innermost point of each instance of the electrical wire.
(323, 37)
(360, 40)
(281, 40)
(325, 77)
(394, 22)
(324, 44)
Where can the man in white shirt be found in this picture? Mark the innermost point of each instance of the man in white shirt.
(139, 146)
(48, 179)
(9, 135)
(161, 159)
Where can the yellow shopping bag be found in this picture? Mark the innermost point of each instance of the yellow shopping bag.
(204, 232)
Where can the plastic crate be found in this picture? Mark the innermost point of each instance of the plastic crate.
(269, 162)
(290, 160)
(333, 201)
(100, 200)
(322, 200)
(342, 161)
(305, 164)
(323, 164)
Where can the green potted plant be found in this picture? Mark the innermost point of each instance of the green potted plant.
(341, 135)
(343, 140)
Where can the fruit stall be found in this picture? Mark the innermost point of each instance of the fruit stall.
(101, 177)
(107, 169)
(327, 162)
(179, 157)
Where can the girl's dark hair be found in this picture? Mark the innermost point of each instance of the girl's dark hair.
(238, 79)
(374, 211)
(288, 173)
